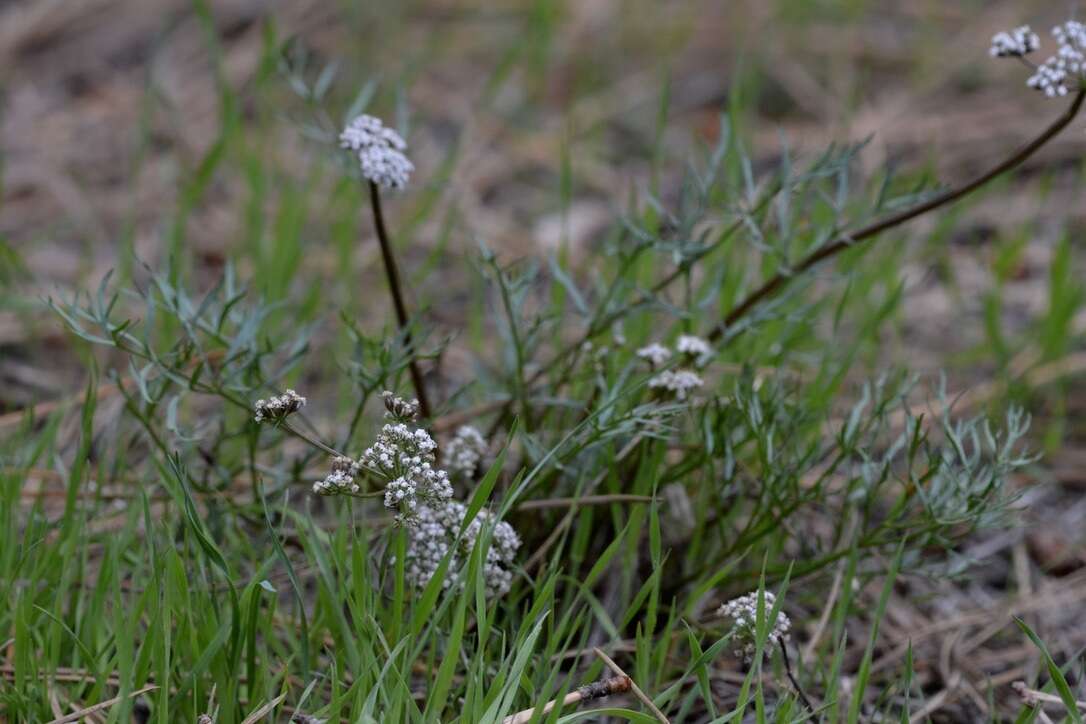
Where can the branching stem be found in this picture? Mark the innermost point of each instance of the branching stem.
(775, 283)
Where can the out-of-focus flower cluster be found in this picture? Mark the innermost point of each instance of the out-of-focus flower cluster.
(1015, 43)
(465, 452)
(743, 612)
(1061, 73)
(380, 151)
(435, 535)
(277, 408)
(681, 382)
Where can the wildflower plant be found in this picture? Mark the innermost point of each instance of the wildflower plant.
(745, 612)
(326, 550)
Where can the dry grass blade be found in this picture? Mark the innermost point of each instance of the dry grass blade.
(1033, 697)
(83, 713)
(264, 710)
(633, 685)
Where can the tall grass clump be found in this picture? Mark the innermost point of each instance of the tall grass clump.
(662, 497)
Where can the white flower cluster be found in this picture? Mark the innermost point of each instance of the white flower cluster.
(694, 348)
(403, 457)
(655, 354)
(341, 480)
(1015, 43)
(435, 535)
(1063, 72)
(380, 151)
(743, 612)
(278, 407)
(465, 452)
(678, 383)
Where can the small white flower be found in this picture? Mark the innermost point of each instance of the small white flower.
(743, 612)
(1014, 43)
(677, 382)
(655, 354)
(380, 151)
(695, 348)
(277, 408)
(465, 452)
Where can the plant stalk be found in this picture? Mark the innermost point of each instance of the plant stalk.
(392, 273)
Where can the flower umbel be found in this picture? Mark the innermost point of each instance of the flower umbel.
(743, 612)
(465, 451)
(380, 151)
(655, 354)
(696, 349)
(399, 409)
(277, 408)
(679, 383)
(1061, 73)
(340, 480)
(434, 535)
(403, 456)
(1015, 43)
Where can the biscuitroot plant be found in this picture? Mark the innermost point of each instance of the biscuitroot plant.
(665, 423)
(402, 466)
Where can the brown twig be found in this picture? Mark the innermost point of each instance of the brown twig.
(633, 686)
(778, 281)
(392, 273)
(595, 690)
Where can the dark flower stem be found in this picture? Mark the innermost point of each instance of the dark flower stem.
(848, 240)
(392, 273)
(795, 684)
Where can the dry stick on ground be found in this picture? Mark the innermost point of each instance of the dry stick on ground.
(633, 686)
(846, 241)
(588, 692)
(392, 273)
